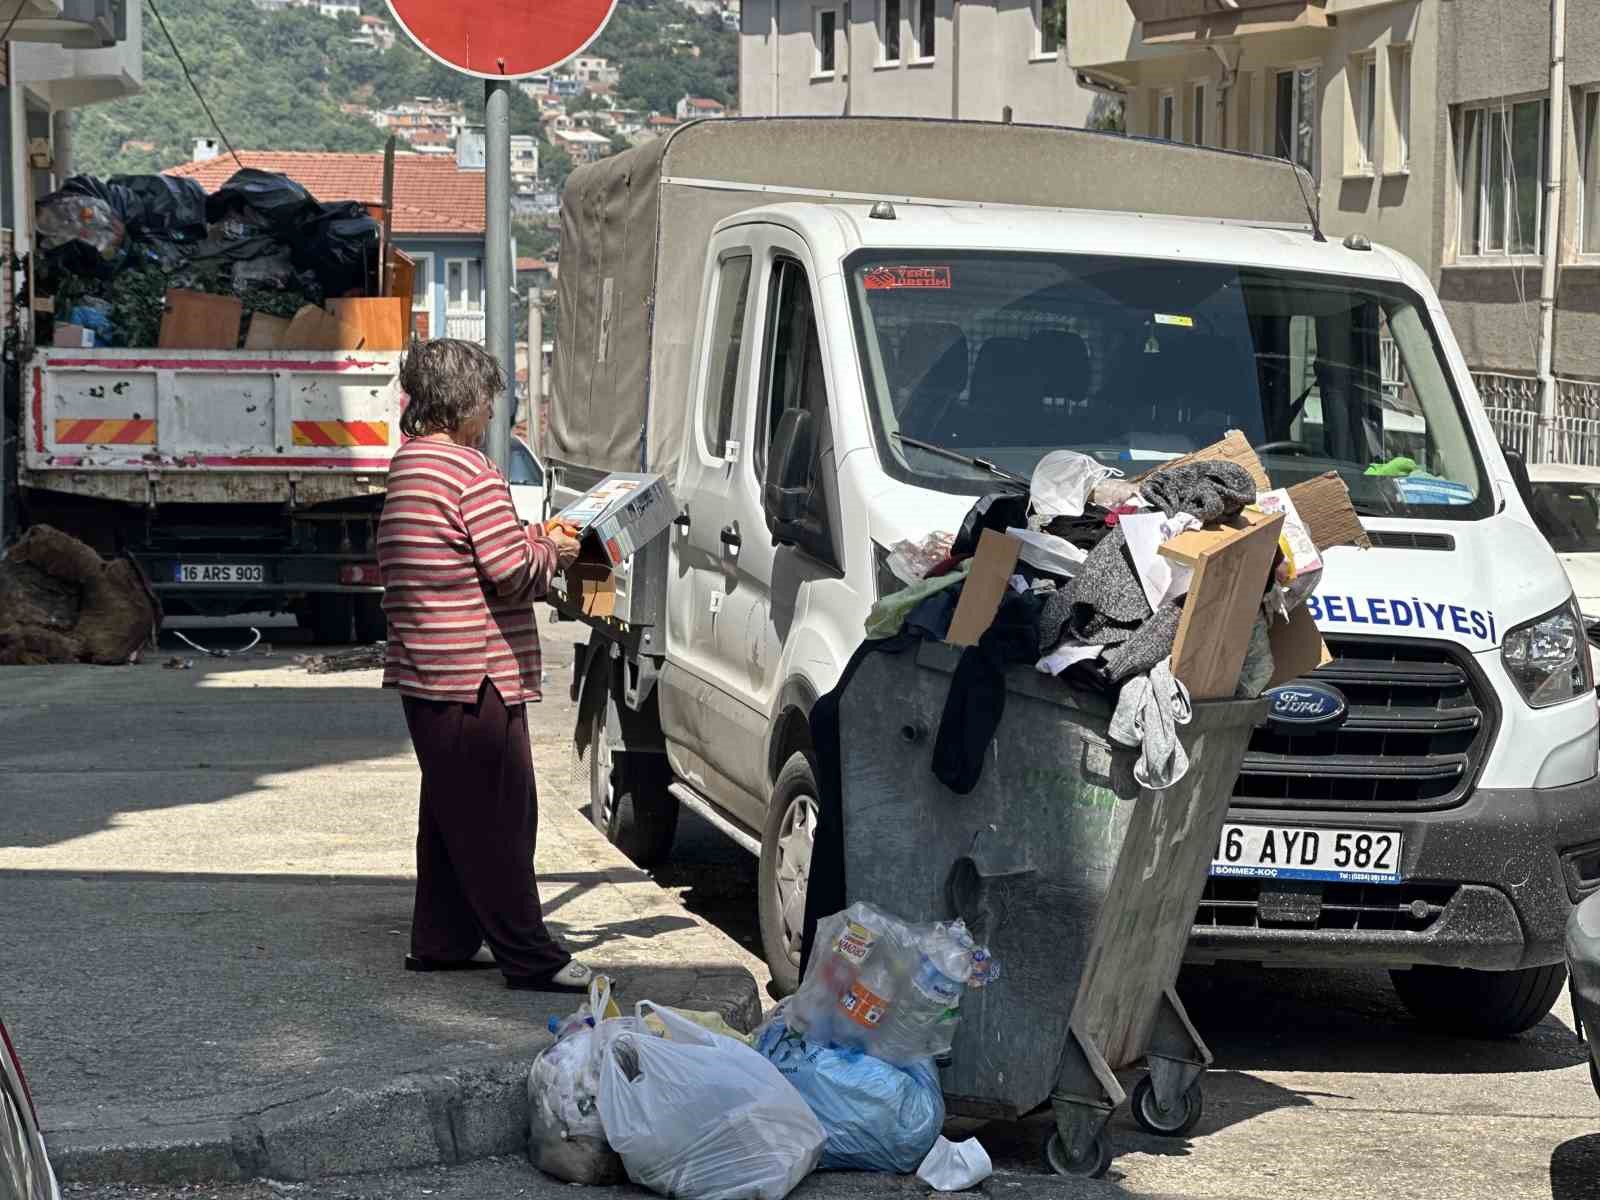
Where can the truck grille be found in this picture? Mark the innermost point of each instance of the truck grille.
(1255, 904)
(1419, 723)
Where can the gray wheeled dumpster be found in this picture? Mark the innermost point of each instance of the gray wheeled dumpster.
(1081, 884)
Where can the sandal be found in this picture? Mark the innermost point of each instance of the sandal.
(574, 977)
(483, 960)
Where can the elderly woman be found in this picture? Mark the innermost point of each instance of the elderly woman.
(460, 575)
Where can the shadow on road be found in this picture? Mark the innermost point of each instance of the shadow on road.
(1348, 1021)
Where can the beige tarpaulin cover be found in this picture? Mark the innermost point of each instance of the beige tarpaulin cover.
(635, 227)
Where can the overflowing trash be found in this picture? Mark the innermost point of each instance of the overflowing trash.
(113, 251)
(1142, 590)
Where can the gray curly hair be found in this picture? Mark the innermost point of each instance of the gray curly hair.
(449, 382)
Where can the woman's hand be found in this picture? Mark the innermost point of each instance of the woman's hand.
(566, 548)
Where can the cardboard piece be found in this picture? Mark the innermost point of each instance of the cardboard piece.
(1230, 576)
(266, 332)
(372, 323)
(992, 568)
(621, 513)
(200, 321)
(1234, 448)
(314, 328)
(72, 337)
(1325, 510)
(1186, 549)
(1297, 647)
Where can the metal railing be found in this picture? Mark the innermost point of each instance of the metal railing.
(469, 327)
(1512, 404)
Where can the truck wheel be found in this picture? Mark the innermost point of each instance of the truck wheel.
(371, 624)
(1488, 1004)
(786, 845)
(628, 798)
(331, 619)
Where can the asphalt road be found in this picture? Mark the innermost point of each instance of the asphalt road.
(1323, 1085)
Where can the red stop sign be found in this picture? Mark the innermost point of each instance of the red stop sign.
(502, 39)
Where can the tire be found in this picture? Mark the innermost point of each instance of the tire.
(1094, 1164)
(628, 798)
(1486, 1004)
(371, 624)
(1175, 1122)
(786, 844)
(332, 619)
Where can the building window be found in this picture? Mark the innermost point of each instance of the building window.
(1588, 110)
(923, 30)
(422, 283)
(1197, 119)
(1501, 168)
(722, 374)
(823, 32)
(888, 33)
(1400, 102)
(1047, 16)
(1363, 76)
(1167, 116)
(1296, 107)
(464, 285)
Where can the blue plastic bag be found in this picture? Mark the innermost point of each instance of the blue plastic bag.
(877, 1117)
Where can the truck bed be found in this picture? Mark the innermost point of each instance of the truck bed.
(205, 427)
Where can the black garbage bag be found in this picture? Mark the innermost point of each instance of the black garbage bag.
(117, 198)
(162, 206)
(281, 202)
(341, 246)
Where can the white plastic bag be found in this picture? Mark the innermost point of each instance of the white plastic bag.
(566, 1138)
(699, 1116)
(955, 1166)
(1062, 481)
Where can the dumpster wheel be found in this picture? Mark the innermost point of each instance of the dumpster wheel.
(1094, 1164)
(1175, 1121)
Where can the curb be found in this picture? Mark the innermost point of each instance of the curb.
(422, 1119)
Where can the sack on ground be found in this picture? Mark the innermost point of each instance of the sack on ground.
(698, 1116)
(877, 1117)
(566, 1137)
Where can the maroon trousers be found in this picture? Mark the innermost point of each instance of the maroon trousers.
(477, 829)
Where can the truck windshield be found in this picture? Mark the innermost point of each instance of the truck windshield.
(1004, 357)
(1568, 514)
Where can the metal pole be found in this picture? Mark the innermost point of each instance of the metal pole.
(1548, 399)
(536, 369)
(497, 265)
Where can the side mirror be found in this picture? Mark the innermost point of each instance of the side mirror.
(787, 486)
(1519, 475)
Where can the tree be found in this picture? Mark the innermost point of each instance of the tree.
(555, 164)
(1108, 113)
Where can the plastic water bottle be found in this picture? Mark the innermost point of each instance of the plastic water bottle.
(834, 972)
(863, 1013)
(924, 1022)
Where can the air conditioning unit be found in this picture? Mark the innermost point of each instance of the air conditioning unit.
(73, 24)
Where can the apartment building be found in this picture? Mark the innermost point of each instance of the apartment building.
(982, 60)
(1428, 125)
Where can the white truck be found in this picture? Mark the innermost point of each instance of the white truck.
(831, 335)
(241, 481)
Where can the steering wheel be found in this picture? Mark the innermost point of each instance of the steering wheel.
(1287, 446)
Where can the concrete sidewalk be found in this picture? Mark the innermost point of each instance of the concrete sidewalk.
(207, 881)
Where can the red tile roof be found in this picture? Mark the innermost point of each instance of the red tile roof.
(704, 104)
(532, 264)
(431, 194)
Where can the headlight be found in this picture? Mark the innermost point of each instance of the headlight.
(1548, 658)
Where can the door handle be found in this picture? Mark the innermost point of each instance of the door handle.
(682, 520)
(731, 538)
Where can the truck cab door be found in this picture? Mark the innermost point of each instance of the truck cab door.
(759, 353)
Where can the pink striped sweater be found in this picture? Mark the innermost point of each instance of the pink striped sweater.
(460, 576)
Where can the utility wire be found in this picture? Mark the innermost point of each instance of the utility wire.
(194, 87)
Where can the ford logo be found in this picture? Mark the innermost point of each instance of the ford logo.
(1304, 705)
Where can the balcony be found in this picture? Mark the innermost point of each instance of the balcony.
(1167, 21)
(73, 78)
(73, 24)
(467, 326)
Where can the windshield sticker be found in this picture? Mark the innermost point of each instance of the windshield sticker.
(1419, 489)
(1404, 612)
(884, 279)
(1170, 319)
